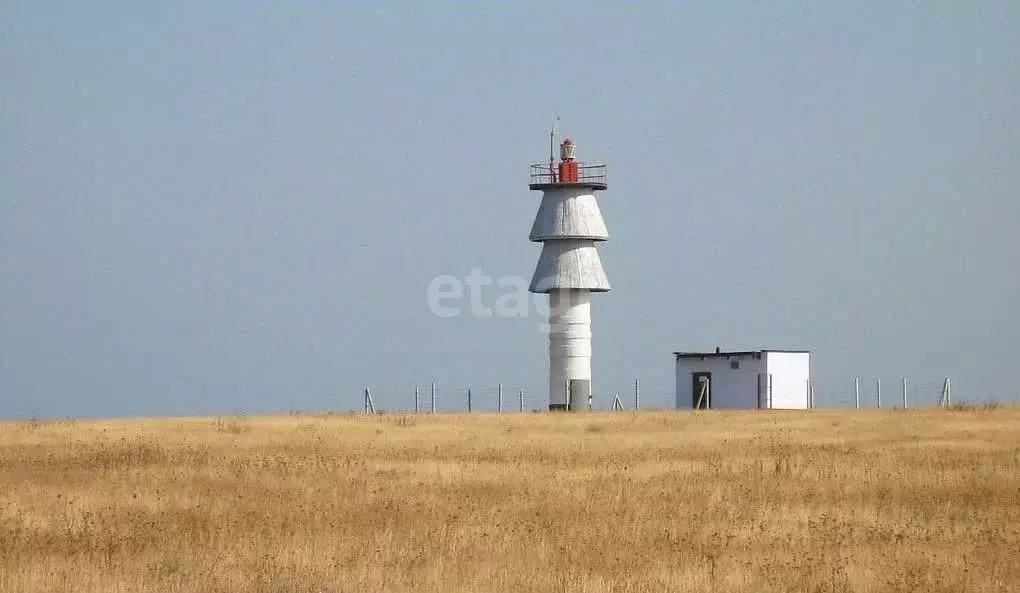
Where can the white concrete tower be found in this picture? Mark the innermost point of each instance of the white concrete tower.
(569, 225)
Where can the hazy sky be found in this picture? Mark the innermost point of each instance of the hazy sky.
(238, 207)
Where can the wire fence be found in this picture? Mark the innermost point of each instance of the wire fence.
(860, 393)
(429, 398)
(873, 392)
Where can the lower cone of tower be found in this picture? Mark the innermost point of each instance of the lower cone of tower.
(569, 264)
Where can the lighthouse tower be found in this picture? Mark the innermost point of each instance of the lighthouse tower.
(569, 270)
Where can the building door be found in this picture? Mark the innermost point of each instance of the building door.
(701, 388)
(764, 391)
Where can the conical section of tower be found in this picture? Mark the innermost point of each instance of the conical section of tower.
(569, 214)
(569, 264)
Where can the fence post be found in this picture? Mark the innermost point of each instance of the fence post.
(433, 397)
(522, 401)
(637, 394)
(499, 395)
(857, 391)
(878, 392)
(904, 393)
(416, 406)
(469, 400)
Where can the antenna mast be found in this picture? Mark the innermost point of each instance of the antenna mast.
(552, 142)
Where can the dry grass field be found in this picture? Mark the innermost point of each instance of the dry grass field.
(913, 501)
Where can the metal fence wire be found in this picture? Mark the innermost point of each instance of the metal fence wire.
(431, 398)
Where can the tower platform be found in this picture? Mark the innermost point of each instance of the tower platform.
(589, 175)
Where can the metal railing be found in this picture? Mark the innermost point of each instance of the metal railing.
(592, 172)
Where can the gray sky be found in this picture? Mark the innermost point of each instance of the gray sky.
(230, 207)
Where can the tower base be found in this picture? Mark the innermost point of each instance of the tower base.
(578, 392)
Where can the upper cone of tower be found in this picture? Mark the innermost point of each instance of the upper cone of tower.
(568, 213)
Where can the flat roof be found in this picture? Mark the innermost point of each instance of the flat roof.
(723, 354)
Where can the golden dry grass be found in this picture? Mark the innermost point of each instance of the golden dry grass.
(919, 500)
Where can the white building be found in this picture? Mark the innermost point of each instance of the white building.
(745, 380)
